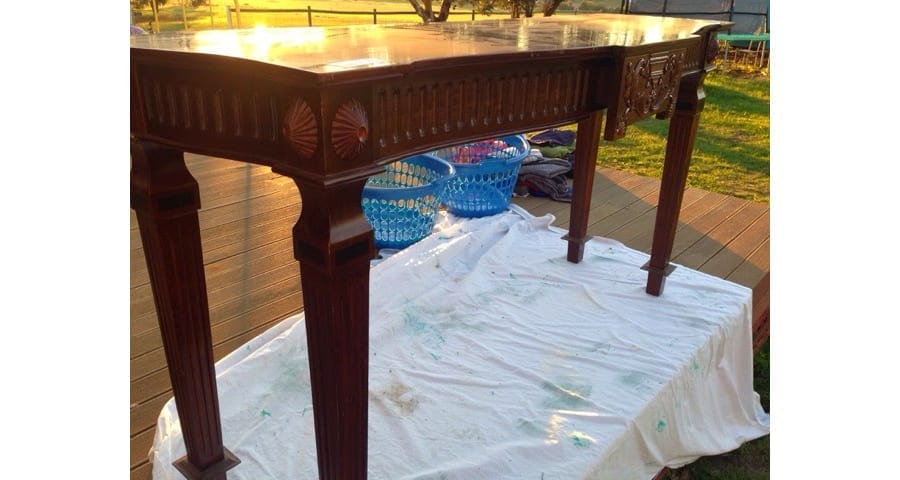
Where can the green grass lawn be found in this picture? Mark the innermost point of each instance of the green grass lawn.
(731, 152)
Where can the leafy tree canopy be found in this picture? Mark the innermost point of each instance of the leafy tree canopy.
(517, 8)
(139, 4)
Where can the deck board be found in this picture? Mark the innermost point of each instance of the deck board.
(753, 267)
(229, 213)
(224, 281)
(253, 282)
(725, 260)
(640, 225)
(723, 234)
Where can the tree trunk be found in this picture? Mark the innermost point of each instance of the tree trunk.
(155, 8)
(551, 7)
(426, 13)
(237, 11)
(445, 10)
(420, 11)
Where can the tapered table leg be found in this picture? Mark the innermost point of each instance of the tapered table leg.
(586, 142)
(334, 244)
(679, 146)
(166, 198)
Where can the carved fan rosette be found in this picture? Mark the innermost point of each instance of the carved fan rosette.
(349, 130)
(299, 129)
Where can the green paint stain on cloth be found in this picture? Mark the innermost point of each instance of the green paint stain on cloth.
(580, 441)
(566, 395)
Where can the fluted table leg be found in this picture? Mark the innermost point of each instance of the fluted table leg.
(334, 244)
(679, 146)
(166, 198)
(583, 183)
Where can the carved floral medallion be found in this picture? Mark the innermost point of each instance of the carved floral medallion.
(648, 90)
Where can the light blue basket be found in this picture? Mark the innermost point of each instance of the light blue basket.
(486, 174)
(402, 203)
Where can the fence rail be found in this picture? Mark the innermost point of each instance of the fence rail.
(229, 10)
(233, 14)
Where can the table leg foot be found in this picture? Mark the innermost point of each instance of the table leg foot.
(576, 247)
(215, 471)
(656, 279)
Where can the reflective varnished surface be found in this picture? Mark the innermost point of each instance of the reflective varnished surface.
(335, 49)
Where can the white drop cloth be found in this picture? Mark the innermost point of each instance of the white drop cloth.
(492, 357)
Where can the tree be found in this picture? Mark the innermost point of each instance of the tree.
(550, 7)
(517, 8)
(426, 12)
(138, 5)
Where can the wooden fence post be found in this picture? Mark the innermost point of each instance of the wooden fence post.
(237, 11)
(228, 16)
(308, 16)
(374, 16)
(473, 14)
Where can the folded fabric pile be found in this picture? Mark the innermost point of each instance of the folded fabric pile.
(555, 143)
(544, 170)
(544, 177)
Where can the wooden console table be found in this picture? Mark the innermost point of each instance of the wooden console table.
(328, 107)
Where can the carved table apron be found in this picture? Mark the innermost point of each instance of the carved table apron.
(328, 108)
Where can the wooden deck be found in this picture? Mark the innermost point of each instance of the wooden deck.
(253, 280)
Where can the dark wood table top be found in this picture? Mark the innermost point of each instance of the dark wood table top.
(333, 50)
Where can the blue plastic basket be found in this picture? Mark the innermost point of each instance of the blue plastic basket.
(486, 173)
(402, 203)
